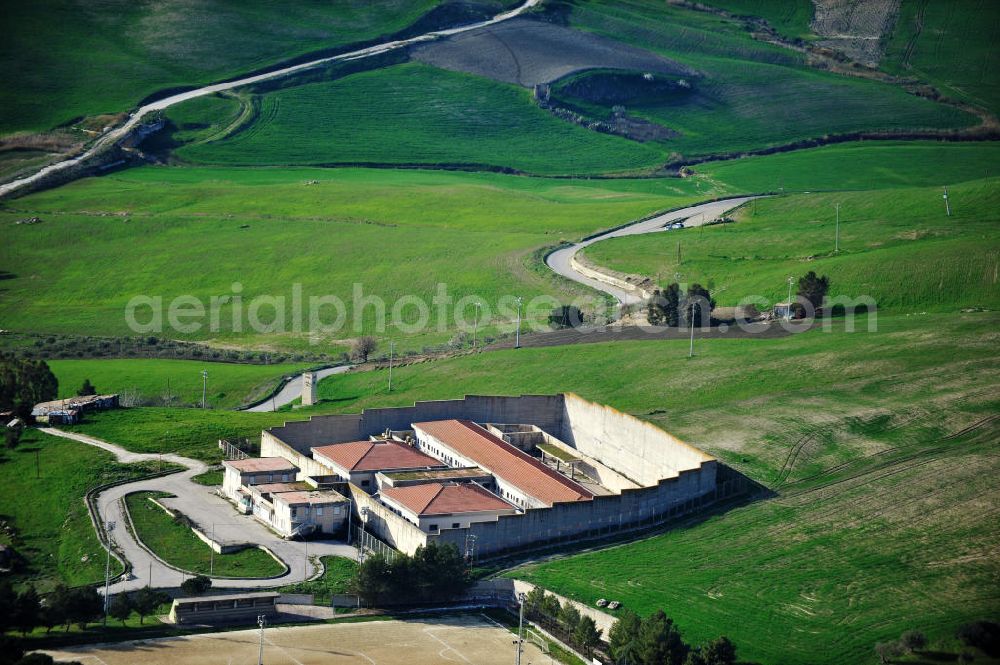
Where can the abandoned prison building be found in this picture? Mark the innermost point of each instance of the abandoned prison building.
(496, 474)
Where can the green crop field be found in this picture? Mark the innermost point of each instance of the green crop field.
(952, 45)
(896, 246)
(176, 544)
(44, 506)
(229, 385)
(417, 114)
(199, 231)
(66, 60)
(863, 165)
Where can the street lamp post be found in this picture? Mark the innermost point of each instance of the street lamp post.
(391, 347)
(260, 643)
(475, 325)
(107, 570)
(517, 333)
(788, 312)
(520, 627)
(691, 320)
(204, 386)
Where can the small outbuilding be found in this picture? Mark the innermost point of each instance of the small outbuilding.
(229, 609)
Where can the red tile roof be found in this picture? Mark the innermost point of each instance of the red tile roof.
(375, 456)
(505, 461)
(255, 464)
(445, 499)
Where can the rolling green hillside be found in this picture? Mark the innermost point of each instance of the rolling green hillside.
(418, 114)
(897, 246)
(230, 385)
(879, 510)
(952, 45)
(789, 17)
(863, 165)
(66, 59)
(199, 231)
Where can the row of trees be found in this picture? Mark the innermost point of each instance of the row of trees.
(66, 606)
(671, 306)
(580, 631)
(24, 383)
(656, 640)
(433, 573)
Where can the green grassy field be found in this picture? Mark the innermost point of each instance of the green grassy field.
(229, 385)
(67, 60)
(394, 233)
(190, 432)
(417, 114)
(176, 544)
(45, 506)
(819, 574)
(860, 166)
(897, 246)
(338, 573)
(952, 45)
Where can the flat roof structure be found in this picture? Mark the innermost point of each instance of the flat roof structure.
(375, 456)
(505, 461)
(446, 499)
(306, 498)
(438, 474)
(277, 488)
(256, 464)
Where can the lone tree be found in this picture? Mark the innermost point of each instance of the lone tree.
(27, 610)
(586, 635)
(719, 651)
(196, 585)
(913, 640)
(11, 437)
(663, 308)
(362, 347)
(86, 389)
(121, 607)
(623, 638)
(813, 289)
(660, 641)
(24, 383)
(698, 306)
(146, 601)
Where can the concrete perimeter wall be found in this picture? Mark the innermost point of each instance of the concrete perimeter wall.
(676, 478)
(639, 450)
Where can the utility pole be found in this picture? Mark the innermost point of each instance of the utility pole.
(691, 321)
(836, 247)
(947, 203)
(475, 325)
(391, 345)
(204, 386)
(520, 628)
(107, 569)
(260, 644)
(788, 312)
(517, 333)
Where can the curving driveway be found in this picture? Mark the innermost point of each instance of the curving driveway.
(119, 133)
(292, 390)
(561, 260)
(206, 509)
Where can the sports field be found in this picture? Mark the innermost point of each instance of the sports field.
(472, 639)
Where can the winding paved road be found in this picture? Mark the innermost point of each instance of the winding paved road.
(207, 510)
(561, 260)
(119, 133)
(292, 390)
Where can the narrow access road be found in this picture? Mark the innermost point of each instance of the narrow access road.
(292, 390)
(205, 508)
(117, 134)
(561, 260)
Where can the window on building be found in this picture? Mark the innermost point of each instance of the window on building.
(364, 483)
(284, 477)
(432, 527)
(270, 477)
(455, 525)
(319, 510)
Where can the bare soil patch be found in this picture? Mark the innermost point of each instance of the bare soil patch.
(527, 53)
(859, 30)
